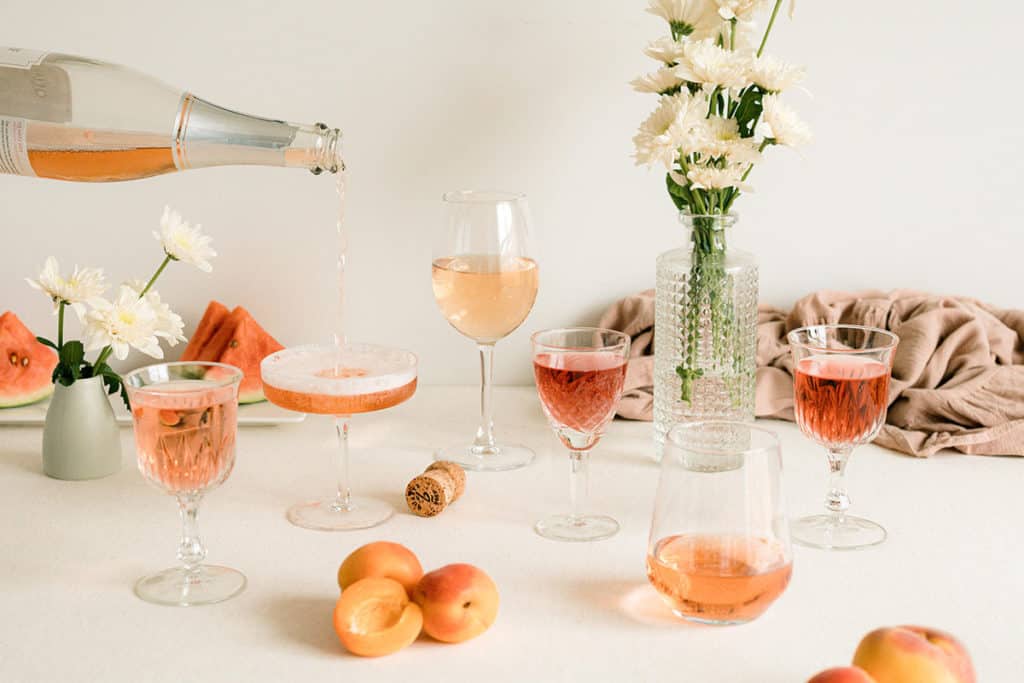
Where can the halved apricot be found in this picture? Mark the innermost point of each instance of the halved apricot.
(374, 617)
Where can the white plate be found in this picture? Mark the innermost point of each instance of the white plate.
(250, 415)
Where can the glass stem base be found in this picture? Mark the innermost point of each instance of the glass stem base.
(836, 532)
(487, 459)
(333, 515)
(204, 584)
(578, 528)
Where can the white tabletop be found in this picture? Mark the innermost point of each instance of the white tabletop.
(569, 612)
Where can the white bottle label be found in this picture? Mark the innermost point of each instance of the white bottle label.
(14, 147)
(22, 59)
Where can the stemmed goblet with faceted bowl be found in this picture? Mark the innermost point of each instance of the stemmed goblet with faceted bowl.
(185, 417)
(485, 282)
(840, 395)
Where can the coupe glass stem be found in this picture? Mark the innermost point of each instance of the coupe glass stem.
(191, 550)
(578, 485)
(343, 498)
(484, 442)
(836, 499)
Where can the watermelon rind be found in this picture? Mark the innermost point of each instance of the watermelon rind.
(26, 399)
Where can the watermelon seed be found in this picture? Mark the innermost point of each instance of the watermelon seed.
(14, 359)
(24, 362)
(234, 344)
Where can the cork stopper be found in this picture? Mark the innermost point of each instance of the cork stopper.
(440, 485)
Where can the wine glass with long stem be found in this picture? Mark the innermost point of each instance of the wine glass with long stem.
(485, 282)
(579, 373)
(185, 417)
(840, 393)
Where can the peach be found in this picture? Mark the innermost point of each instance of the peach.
(843, 674)
(383, 558)
(374, 617)
(459, 602)
(914, 653)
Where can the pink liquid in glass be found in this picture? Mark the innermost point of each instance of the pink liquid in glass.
(840, 400)
(579, 390)
(185, 433)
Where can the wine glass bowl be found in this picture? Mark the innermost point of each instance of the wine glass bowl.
(339, 382)
(185, 418)
(485, 281)
(840, 395)
(579, 373)
(719, 549)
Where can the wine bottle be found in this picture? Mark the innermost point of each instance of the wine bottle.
(74, 118)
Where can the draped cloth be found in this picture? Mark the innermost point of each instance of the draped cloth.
(957, 379)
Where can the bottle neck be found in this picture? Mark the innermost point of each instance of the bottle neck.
(707, 232)
(208, 135)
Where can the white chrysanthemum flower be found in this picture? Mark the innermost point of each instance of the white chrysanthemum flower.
(183, 242)
(695, 18)
(708, 64)
(717, 137)
(169, 324)
(665, 50)
(663, 131)
(124, 324)
(713, 178)
(662, 82)
(783, 124)
(774, 75)
(84, 285)
(738, 9)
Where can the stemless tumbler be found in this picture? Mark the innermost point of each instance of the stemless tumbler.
(719, 550)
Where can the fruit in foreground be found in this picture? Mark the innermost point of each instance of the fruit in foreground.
(383, 559)
(26, 366)
(374, 617)
(237, 339)
(459, 602)
(913, 653)
(843, 674)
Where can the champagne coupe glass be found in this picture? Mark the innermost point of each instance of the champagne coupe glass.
(485, 283)
(339, 382)
(579, 372)
(840, 392)
(719, 550)
(185, 417)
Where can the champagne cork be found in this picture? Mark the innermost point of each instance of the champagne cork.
(431, 492)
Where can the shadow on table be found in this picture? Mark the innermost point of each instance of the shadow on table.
(305, 619)
(28, 461)
(637, 603)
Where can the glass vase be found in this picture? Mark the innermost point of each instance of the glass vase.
(705, 328)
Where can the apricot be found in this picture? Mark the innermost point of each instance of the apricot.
(914, 653)
(459, 602)
(374, 617)
(843, 674)
(384, 559)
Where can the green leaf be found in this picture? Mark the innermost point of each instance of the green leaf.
(72, 354)
(46, 342)
(749, 110)
(63, 374)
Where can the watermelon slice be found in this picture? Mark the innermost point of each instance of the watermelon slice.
(215, 315)
(26, 366)
(236, 340)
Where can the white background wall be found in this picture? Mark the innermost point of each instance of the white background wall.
(913, 180)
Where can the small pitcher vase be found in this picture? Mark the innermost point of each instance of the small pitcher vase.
(705, 328)
(81, 439)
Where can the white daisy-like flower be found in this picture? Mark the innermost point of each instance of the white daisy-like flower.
(81, 287)
(782, 124)
(124, 324)
(694, 18)
(184, 242)
(743, 10)
(665, 50)
(706, 63)
(714, 178)
(775, 75)
(169, 324)
(717, 137)
(663, 131)
(663, 81)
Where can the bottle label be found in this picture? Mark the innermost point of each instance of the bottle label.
(14, 147)
(22, 59)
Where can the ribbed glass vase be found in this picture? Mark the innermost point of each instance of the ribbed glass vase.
(705, 328)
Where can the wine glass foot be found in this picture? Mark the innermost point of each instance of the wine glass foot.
(577, 528)
(495, 459)
(830, 532)
(328, 515)
(180, 587)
